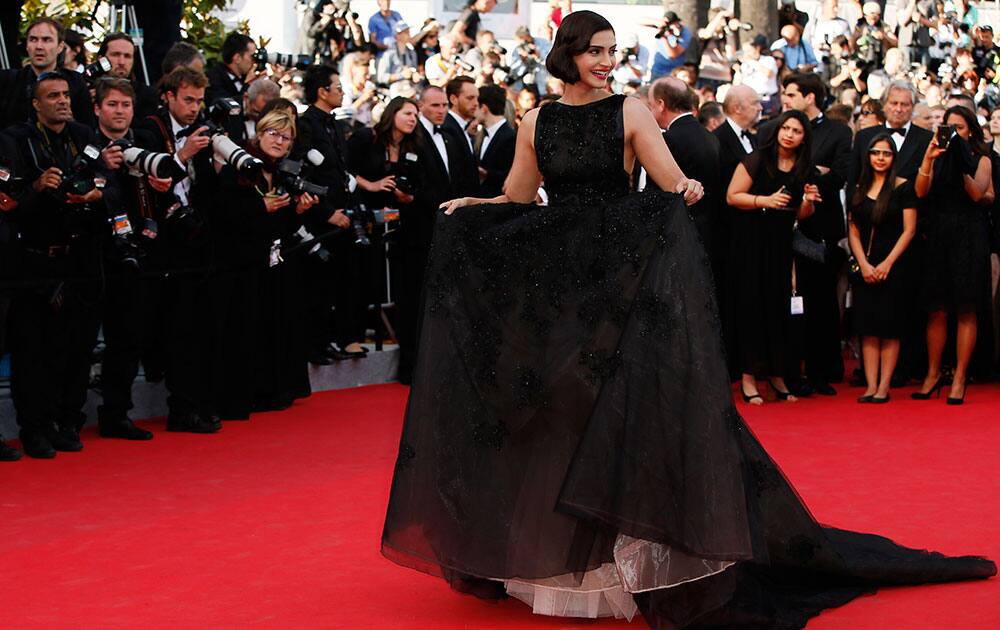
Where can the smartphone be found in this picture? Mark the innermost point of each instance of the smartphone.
(944, 134)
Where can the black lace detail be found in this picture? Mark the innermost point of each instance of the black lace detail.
(490, 434)
(601, 365)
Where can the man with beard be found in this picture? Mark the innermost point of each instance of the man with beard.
(120, 51)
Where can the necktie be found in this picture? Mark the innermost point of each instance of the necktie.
(750, 138)
(437, 129)
(901, 132)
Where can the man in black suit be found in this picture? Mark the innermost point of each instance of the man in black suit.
(694, 148)
(339, 281)
(496, 145)
(742, 107)
(45, 46)
(816, 280)
(463, 105)
(911, 143)
(230, 77)
(448, 172)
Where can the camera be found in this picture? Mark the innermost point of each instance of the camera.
(184, 221)
(143, 162)
(82, 176)
(303, 236)
(10, 184)
(668, 30)
(406, 183)
(464, 65)
(96, 70)
(291, 176)
(288, 60)
(226, 150)
(126, 247)
(360, 217)
(224, 109)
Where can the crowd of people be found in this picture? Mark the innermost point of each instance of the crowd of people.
(232, 224)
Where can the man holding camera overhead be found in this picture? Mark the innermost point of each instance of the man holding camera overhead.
(44, 44)
(230, 77)
(54, 320)
(183, 235)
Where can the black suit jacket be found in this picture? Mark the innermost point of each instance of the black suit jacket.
(319, 130)
(455, 128)
(731, 153)
(221, 85)
(831, 147)
(497, 160)
(697, 153)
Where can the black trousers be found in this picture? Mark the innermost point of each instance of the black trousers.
(53, 329)
(134, 310)
(409, 292)
(817, 338)
(188, 341)
(349, 296)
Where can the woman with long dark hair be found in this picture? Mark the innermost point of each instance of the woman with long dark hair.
(882, 220)
(956, 180)
(384, 158)
(771, 190)
(570, 438)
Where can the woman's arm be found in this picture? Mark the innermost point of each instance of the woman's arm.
(738, 195)
(854, 241)
(523, 180)
(977, 187)
(925, 175)
(646, 140)
(810, 197)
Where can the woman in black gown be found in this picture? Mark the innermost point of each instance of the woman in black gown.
(882, 221)
(771, 191)
(570, 437)
(956, 181)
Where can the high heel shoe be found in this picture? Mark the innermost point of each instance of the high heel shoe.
(935, 391)
(781, 395)
(747, 398)
(952, 400)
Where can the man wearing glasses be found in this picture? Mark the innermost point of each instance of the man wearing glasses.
(44, 43)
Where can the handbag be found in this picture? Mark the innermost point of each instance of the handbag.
(854, 274)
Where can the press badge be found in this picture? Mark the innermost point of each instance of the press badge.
(798, 306)
(274, 259)
(120, 225)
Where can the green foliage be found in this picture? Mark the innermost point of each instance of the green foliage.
(75, 14)
(201, 26)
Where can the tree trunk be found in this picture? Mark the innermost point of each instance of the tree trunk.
(763, 14)
(688, 12)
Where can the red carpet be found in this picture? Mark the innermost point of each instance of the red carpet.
(276, 522)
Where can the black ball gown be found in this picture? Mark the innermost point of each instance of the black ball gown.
(570, 438)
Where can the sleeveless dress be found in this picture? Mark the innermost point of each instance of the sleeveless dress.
(570, 437)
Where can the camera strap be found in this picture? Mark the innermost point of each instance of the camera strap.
(167, 136)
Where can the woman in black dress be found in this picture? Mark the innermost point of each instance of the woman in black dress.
(770, 189)
(882, 221)
(956, 181)
(570, 437)
(384, 158)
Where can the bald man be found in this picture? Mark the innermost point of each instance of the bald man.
(799, 56)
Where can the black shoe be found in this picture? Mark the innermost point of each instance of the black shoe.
(124, 429)
(952, 400)
(320, 358)
(824, 389)
(9, 453)
(749, 397)
(800, 389)
(880, 401)
(66, 439)
(867, 398)
(936, 391)
(212, 419)
(781, 395)
(190, 423)
(37, 445)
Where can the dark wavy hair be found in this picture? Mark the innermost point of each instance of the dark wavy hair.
(383, 129)
(572, 39)
(868, 175)
(803, 159)
(976, 138)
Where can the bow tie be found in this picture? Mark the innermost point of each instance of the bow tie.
(745, 134)
(437, 128)
(901, 132)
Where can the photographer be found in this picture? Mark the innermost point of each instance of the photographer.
(527, 61)
(799, 56)
(382, 26)
(399, 63)
(718, 47)
(133, 305)
(360, 93)
(44, 45)
(336, 33)
(673, 39)
(486, 43)
(447, 64)
(386, 159)
(466, 26)
(259, 290)
(120, 50)
(54, 321)
(337, 283)
(633, 62)
(426, 42)
(184, 233)
(237, 69)
(872, 37)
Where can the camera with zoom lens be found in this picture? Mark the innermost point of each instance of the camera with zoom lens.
(668, 30)
(287, 60)
(360, 217)
(291, 176)
(93, 71)
(225, 150)
(464, 65)
(303, 236)
(185, 222)
(127, 248)
(143, 162)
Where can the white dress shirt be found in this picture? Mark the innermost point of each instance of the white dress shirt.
(183, 187)
(898, 139)
(464, 124)
(438, 140)
(745, 141)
